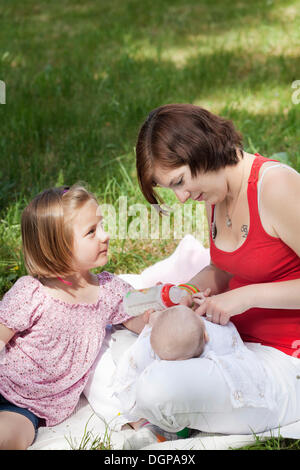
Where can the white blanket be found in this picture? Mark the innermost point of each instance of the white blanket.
(98, 411)
(242, 369)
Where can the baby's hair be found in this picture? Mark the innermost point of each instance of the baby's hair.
(47, 230)
(178, 334)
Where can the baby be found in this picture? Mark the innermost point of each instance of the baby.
(177, 333)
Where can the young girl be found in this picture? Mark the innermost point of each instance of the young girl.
(52, 321)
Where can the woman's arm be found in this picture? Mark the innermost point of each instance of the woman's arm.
(212, 277)
(285, 294)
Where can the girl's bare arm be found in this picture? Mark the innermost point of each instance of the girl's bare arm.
(5, 335)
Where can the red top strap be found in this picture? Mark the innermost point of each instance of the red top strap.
(258, 162)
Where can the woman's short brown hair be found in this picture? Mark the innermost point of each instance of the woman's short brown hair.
(184, 134)
(47, 230)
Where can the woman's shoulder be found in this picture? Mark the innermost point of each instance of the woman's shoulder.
(280, 185)
(279, 171)
(280, 197)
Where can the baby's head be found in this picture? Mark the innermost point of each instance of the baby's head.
(55, 232)
(177, 333)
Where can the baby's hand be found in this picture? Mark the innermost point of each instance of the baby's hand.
(186, 300)
(150, 316)
(199, 297)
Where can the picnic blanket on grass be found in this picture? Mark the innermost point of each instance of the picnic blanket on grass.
(97, 413)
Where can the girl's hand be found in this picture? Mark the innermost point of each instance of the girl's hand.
(220, 308)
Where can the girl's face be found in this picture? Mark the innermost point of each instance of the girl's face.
(210, 187)
(90, 240)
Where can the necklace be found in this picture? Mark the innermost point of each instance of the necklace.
(228, 217)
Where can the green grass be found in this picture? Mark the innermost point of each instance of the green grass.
(274, 443)
(89, 441)
(82, 76)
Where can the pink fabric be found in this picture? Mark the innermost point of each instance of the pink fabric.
(47, 363)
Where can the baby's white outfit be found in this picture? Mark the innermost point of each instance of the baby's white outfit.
(241, 368)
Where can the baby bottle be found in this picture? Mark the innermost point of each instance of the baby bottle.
(158, 297)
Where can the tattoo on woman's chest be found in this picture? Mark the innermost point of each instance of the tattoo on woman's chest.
(244, 230)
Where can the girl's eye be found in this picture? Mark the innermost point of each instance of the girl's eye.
(93, 230)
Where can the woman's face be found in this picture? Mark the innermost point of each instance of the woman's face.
(210, 187)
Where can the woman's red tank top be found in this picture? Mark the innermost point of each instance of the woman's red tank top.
(261, 259)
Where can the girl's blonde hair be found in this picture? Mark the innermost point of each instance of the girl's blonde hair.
(47, 230)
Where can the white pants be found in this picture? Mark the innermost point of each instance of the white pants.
(193, 393)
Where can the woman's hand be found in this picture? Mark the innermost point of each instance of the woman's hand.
(220, 308)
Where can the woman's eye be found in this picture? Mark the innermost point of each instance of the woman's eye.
(91, 231)
(179, 182)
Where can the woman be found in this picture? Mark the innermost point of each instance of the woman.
(253, 212)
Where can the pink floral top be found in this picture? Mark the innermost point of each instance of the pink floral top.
(45, 366)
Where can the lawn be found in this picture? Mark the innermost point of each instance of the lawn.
(82, 75)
